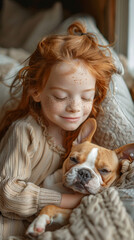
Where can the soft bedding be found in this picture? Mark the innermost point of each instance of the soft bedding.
(110, 214)
(106, 215)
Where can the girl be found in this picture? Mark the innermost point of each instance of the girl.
(64, 83)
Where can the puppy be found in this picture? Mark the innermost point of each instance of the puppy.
(88, 169)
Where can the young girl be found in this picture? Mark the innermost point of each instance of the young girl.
(64, 83)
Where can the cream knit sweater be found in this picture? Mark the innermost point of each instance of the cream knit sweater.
(27, 156)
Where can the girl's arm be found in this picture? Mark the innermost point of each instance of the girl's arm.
(18, 196)
(71, 200)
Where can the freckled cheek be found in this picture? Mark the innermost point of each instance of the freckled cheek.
(49, 104)
(87, 108)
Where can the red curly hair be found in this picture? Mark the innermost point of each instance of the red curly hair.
(50, 51)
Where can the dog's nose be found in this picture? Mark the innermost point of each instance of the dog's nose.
(84, 175)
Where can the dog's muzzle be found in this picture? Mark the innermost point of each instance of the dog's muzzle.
(84, 176)
(82, 180)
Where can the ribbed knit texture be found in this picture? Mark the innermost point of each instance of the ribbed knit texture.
(27, 156)
(50, 196)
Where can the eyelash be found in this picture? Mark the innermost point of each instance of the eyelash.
(87, 100)
(74, 160)
(104, 171)
(62, 99)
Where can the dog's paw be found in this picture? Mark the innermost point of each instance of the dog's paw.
(37, 227)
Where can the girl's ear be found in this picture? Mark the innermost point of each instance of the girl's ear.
(36, 95)
(86, 132)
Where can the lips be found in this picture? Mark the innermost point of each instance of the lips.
(71, 119)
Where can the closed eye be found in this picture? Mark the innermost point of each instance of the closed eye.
(86, 99)
(104, 171)
(74, 159)
(60, 98)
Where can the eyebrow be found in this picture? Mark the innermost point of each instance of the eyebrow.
(63, 89)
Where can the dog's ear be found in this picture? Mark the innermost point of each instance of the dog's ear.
(126, 152)
(86, 132)
(125, 155)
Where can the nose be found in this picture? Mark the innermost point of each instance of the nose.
(84, 175)
(74, 106)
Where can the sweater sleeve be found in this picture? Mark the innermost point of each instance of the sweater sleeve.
(18, 196)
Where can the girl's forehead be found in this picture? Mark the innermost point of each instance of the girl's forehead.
(70, 74)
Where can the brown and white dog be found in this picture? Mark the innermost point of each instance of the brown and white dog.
(88, 169)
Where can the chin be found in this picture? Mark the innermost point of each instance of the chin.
(72, 126)
(69, 128)
(82, 188)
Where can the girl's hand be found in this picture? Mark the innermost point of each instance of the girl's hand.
(71, 200)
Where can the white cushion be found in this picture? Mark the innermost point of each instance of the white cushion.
(8, 69)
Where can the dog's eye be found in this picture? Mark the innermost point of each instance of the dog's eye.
(104, 171)
(74, 159)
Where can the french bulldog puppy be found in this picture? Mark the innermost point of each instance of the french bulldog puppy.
(88, 169)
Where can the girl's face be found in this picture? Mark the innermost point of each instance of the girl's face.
(67, 97)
